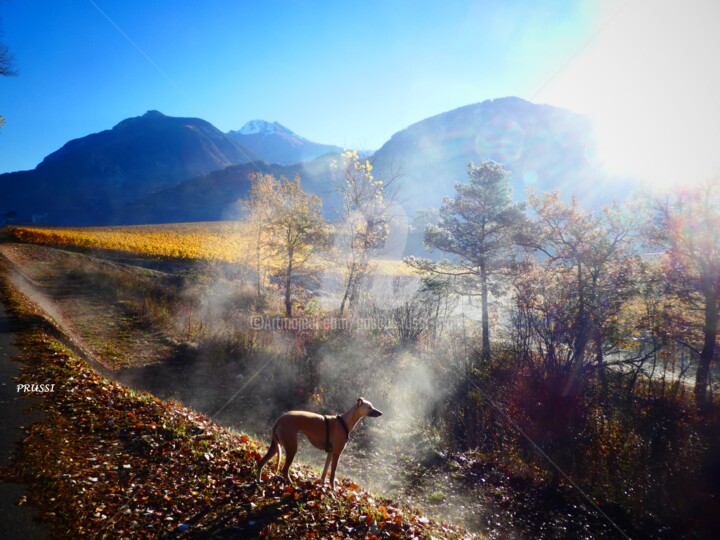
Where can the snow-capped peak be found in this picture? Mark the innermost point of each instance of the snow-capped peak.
(254, 127)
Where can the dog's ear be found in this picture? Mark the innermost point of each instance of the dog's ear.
(360, 402)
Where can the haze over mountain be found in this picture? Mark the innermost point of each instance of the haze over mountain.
(88, 178)
(544, 147)
(275, 143)
(216, 195)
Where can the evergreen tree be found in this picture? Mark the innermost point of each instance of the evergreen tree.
(478, 228)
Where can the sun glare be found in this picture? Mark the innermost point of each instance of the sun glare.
(661, 152)
(649, 81)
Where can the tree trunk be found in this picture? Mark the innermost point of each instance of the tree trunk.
(348, 286)
(710, 330)
(582, 334)
(356, 288)
(582, 330)
(258, 255)
(485, 351)
(435, 322)
(600, 360)
(288, 283)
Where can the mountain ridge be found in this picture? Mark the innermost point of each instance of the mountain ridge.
(87, 178)
(155, 167)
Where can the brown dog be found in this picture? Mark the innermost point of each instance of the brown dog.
(328, 433)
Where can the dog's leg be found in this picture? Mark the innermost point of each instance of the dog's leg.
(327, 464)
(290, 447)
(279, 458)
(335, 458)
(274, 449)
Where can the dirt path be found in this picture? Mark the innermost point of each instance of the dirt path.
(16, 522)
(75, 291)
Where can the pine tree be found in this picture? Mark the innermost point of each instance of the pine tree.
(478, 229)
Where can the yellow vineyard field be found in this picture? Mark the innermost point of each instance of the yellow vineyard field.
(223, 241)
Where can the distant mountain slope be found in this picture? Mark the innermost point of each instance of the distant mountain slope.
(88, 178)
(274, 143)
(214, 196)
(544, 147)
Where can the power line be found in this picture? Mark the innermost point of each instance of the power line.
(139, 49)
(252, 378)
(581, 49)
(161, 70)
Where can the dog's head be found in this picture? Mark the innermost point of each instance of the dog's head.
(366, 408)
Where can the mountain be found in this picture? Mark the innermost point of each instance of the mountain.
(214, 196)
(544, 147)
(86, 180)
(275, 143)
(156, 168)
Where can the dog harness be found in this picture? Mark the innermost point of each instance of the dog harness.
(344, 426)
(328, 446)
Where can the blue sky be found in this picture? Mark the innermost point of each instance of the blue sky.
(341, 72)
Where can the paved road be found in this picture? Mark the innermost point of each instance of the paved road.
(16, 522)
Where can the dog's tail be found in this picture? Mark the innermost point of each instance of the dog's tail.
(274, 449)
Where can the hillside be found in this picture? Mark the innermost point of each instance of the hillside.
(137, 466)
(544, 147)
(186, 330)
(88, 179)
(153, 326)
(214, 196)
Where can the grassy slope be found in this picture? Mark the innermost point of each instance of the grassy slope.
(107, 462)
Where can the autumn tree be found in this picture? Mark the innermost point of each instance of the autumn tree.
(571, 295)
(263, 201)
(363, 223)
(478, 229)
(297, 231)
(688, 226)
